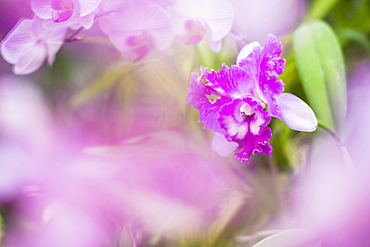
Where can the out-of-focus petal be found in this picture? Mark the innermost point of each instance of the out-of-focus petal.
(29, 44)
(182, 11)
(159, 27)
(214, 15)
(221, 146)
(88, 6)
(31, 59)
(214, 45)
(11, 46)
(271, 15)
(138, 29)
(219, 16)
(296, 113)
(55, 43)
(85, 21)
(42, 8)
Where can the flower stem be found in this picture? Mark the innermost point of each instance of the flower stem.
(278, 189)
(73, 37)
(131, 235)
(342, 148)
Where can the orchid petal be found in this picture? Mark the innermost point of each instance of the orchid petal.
(208, 108)
(29, 44)
(265, 65)
(85, 21)
(219, 15)
(246, 50)
(159, 27)
(42, 8)
(31, 59)
(234, 82)
(88, 6)
(215, 15)
(214, 45)
(296, 113)
(137, 30)
(222, 146)
(244, 122)
(183, 11)
(12, 45)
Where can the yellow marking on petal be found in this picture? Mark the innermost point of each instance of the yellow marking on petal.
(204, 80)
(212, 98)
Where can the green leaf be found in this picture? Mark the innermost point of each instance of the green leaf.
(350, 34)
(320, 8)
(100, 85)
(320, 65)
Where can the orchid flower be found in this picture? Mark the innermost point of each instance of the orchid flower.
(29, 44)
(265, 64)
(193, 20)
(237, 102)
(73, 12)
(138, 29)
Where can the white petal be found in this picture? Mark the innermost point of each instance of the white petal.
(42, 8)
(54, 42)
(17, 39)
(219, 15)
(246, 50)
(214, 45)
(296, 113)
(159, 27)
(31, 59)
(86, 21)
(88, 6)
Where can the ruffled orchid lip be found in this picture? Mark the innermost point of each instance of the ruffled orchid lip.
(244, 122)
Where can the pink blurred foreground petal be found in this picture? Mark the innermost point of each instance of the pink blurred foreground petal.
(222, 146)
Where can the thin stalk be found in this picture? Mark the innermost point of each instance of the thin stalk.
(278, 190)
(342, 148)
(131, 235)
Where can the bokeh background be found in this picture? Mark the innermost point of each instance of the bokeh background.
(98, 150)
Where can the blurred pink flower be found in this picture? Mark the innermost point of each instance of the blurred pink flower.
(335, 196)
(255, 19)
(193, 20)
(71, 11)
(29, 44)
(138, 29)
(25, 130)
(160, 184)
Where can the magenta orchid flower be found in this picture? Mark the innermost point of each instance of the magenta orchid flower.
(29, 44)
(193, 20)
(73, 12)
(265, 65)
(237, 102)
(138, 29)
